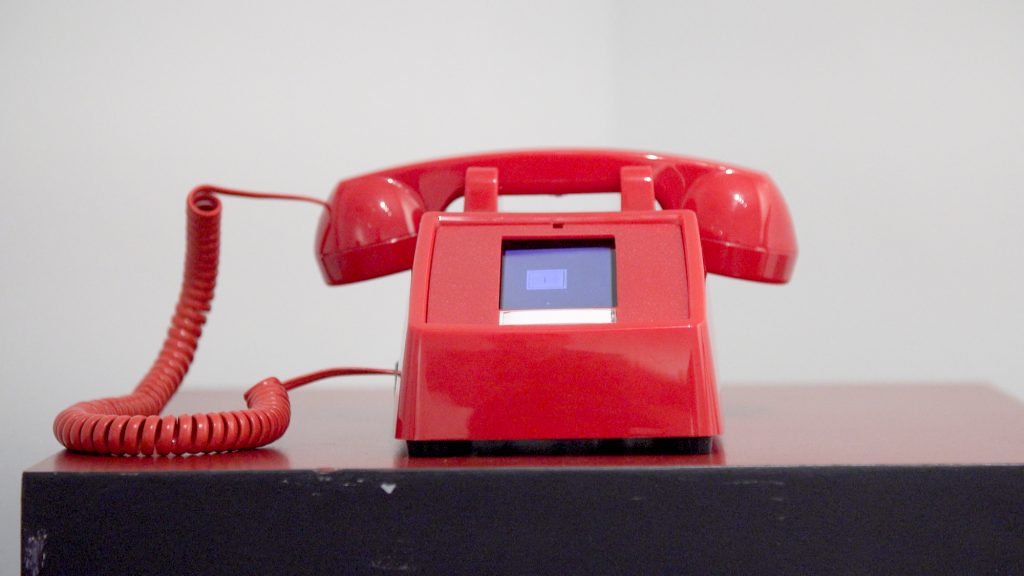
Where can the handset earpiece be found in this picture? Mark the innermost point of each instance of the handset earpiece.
(369, 229)
(745, 228)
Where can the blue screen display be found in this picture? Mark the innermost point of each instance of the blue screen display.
(557, 274)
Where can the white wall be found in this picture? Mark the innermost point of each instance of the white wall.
(894, 131)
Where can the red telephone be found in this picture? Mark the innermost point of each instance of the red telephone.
(522, 327)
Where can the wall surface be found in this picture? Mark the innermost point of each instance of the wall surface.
(893, 129)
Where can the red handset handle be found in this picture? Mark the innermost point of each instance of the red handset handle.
(745, 227)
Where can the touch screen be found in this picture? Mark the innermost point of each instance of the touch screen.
(557, 274)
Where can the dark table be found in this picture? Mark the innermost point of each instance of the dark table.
(866, 479)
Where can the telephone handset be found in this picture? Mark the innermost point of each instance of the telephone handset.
(522, 327)
(745, 227)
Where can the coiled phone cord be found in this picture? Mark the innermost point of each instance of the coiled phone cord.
(131, 425)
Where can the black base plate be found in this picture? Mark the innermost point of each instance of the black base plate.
(575, 447)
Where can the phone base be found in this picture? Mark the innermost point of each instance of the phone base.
(597, 446)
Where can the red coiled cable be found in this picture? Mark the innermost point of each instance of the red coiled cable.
(131, 425)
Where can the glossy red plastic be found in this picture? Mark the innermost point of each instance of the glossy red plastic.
(745, 227)
(649, 374)
(645, 372)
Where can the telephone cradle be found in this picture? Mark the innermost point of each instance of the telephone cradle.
(540, 332)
